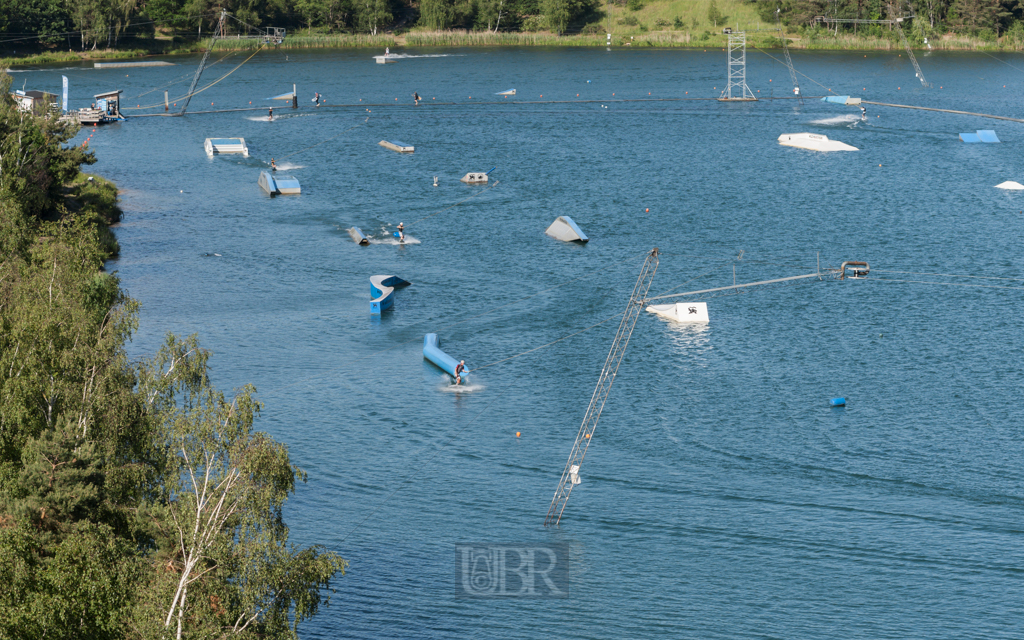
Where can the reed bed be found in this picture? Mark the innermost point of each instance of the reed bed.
(316, 41)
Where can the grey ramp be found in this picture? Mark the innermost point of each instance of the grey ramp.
(564, 229)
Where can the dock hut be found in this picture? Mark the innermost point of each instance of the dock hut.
(35, 101)
(106, 109)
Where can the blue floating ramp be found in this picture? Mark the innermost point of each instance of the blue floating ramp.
(987, 135)
(432, 352)
(278, 185)
(358, 236)
(841, 100)
(564, 229)
(397, 145)
(283, 96)
(382, 292)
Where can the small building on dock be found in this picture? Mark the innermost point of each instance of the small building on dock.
(106, 109)
(38, 102)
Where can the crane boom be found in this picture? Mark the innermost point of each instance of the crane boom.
(570, 476)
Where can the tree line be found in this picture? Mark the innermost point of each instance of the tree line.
(136, 499)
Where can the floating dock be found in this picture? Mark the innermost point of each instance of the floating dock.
(384, 60)
(277, 185)
(686, 312)
(813, 142)
(432, 352)
(564, 229)
(981, 135)
(382, 292)
(395, 145)
(358, 236)
(225, 145)
(474, 178)
(120, 65)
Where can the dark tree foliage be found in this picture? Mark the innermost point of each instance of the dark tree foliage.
(95, 540)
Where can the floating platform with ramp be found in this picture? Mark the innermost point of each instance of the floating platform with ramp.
(688, 312)
(395, 145)
(981, 135)
(432, 352)
(382, 292)
(813, 142)
(215, 146)
(277, 185)
(474, 178)
(564, 229)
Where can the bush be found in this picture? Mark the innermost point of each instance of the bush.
(704, 36)
(643, 28)
(662, 22)
(630, 21)
(534, 23)
(634, 5)
(592, 29)
(679, 23)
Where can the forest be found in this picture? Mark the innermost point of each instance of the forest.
(91, 24)
(136, 499)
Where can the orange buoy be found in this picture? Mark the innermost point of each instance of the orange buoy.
(588, 436)
(647, 210)
(517, 434)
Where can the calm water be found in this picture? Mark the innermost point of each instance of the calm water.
(722, 497)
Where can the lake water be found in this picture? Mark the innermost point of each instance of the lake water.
(722, 496)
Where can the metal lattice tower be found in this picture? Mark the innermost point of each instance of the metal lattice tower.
(202, 63)
(570, 476)
(737, 70)
(910, 54)
(785, 50)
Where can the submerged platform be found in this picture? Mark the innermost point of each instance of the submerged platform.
(225, 145)
(813, 142)
(692, 312)
(382, 292)
(279, 185)
(395, 145)
(564, 229)
(432, 352)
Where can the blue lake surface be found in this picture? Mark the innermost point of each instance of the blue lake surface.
(722, 497)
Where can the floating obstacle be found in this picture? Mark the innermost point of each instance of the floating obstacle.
(118, 65)
(225, 145)
(1011, 185)
(564, 229)
(688, 312)
(837, 402)
(981, 135)
(474, 178)
(382, 292)
(395, 145)
(841, 100)
(358, 236)
(510, 92)
(813, 142)
(384, 60)
(432, 352)
(279, 185)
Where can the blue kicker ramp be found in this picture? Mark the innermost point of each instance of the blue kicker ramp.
(432, 352)
(382, 292)
(987, 135)
(970, 137)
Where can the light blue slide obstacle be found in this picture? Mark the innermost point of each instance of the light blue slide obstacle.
(981, 135)
(382, 292)
(432, 352)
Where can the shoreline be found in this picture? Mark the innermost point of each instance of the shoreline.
(461, 39)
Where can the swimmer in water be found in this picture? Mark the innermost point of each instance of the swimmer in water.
(401, 232)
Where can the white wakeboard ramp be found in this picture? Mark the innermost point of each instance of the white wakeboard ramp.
(682, 311)
(564, 229)
(813, 142)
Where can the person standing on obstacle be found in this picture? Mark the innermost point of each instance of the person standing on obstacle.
(401, 232)
(459, 369)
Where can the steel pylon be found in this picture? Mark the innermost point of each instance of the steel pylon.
(737, 70)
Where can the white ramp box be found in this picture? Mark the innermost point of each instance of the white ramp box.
(1011, 185)
(474, 178)
(564, 229)
(397, 145)
(682, 311)
(813, 142)
(225, 145)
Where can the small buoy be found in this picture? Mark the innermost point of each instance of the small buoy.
(587, 436)
(588, 81)
(879, 165)
(647, 210)
(435, 181)
(837, 402)
(577, 95)
(517, 434)
(181, 192)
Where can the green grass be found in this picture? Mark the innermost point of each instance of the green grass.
(315, 41)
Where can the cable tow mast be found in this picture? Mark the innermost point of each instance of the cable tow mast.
(570, 476)
(202, 64)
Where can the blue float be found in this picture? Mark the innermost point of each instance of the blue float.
(837, 402)
(382, 292)
(432, 352)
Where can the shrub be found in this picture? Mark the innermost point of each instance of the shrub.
(643, 28)
(704, 36)
(534, 23)
(634, 5)
(679, 23)
(630, 21)
(662, 22)
(592, 29)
